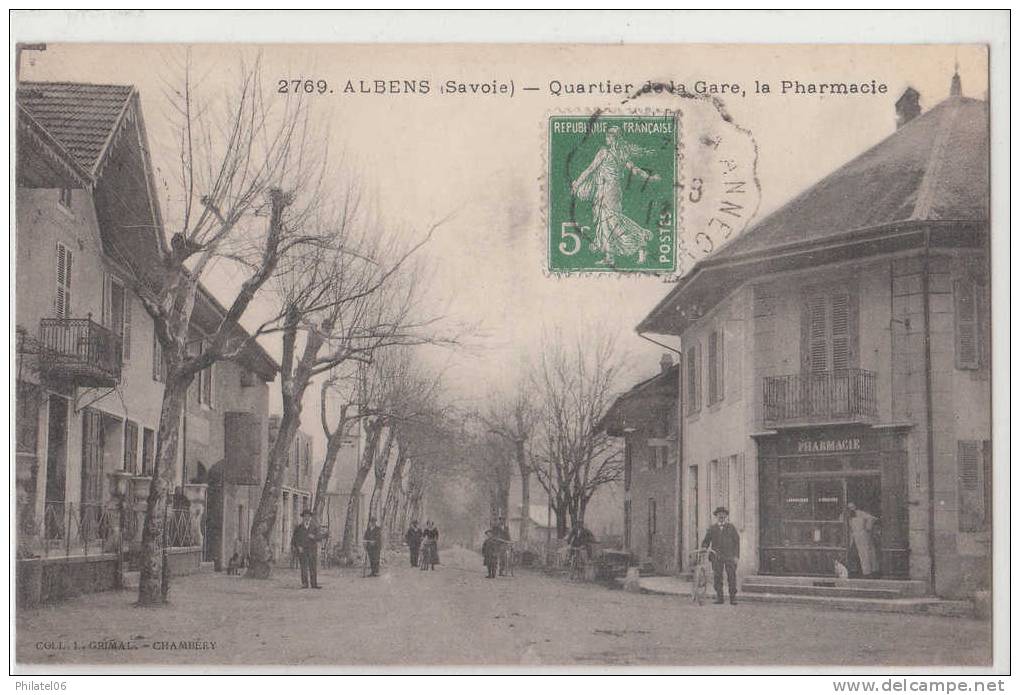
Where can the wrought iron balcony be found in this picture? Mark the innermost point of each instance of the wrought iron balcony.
(843, 395)
(80, 351)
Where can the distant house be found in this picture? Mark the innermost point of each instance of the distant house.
(539, 525)
(838, 352)
(646, 418)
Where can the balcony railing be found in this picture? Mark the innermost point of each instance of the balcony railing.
(844, 395)
(79, 350)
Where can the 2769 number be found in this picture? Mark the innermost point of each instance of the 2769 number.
(302, 86)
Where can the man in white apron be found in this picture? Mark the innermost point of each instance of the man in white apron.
(861, 538)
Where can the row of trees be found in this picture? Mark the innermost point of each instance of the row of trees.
(254, 197)
(547, 427)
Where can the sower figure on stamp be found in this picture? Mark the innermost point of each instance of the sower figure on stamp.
(722, 537)
(602, 184)
(373, 544)
(306, 540)
(413, 540)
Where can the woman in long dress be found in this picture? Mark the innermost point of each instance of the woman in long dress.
(602, 184)
(862, 539)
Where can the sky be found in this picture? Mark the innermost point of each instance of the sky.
(478, 161)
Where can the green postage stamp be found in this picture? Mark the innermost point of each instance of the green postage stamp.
(612, 193)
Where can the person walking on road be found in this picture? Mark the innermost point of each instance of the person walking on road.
(413, 540)
(305, 540)
(501, 533)
(373, 544)
(491, 551)
(723, 538)
(429, 547)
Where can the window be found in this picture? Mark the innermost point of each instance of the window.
(974, 472)
(247, 377)
(66, 197)
(652, 516)
(62, 307)
(205, 386)
(828, 332)
(715, 367)
(148, 451)
(971, 334)
(131, 446)
(158, 363)
(117, 312)
(694, 378)
(661, 449)
(719, 483)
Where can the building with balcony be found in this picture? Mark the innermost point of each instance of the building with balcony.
(837, 352)
(89, 377)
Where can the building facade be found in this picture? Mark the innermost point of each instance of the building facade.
(89, 369)
(838, 353)
(646, 418)
(297, 491)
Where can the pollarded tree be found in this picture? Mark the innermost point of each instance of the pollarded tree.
(247, 177)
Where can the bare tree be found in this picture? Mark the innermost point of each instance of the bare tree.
(573, 456)
(342, 300)
(512, 416)
(246, 178)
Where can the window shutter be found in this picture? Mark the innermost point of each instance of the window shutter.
(986, 471)
(818, 343)
(697, 372)
(693, 387)
(713, 371)
(126, 348)
(720, 358)
(966, 325)
(840, 332)
(971, 490)
(63, 298)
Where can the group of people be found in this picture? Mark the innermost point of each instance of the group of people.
(423, 545)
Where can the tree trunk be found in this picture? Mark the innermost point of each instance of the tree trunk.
(152, 585)
(394, 493)
(333, 445)
(350, 532)
(260, 562)
(522, 468)
(381, 464)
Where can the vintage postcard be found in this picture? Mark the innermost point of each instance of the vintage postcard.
(351, 355)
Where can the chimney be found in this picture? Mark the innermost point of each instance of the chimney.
(908, 107)
(955, 88)
(666, 361)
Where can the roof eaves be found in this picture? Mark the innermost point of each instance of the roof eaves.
(104, 151)
(51, 142)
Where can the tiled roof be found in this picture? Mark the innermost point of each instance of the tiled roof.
(80, 117)
(933, 168)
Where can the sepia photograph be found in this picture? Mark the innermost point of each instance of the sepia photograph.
(514, 356)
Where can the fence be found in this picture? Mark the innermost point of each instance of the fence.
(68, 529)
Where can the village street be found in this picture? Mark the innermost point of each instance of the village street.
(454, 616)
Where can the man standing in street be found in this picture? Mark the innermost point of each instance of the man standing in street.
(722, 537)
(501, 533)
(413, 540)
(305, 540)
(373, 544)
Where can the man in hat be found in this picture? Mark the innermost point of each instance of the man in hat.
(306, 539)
(413, 540)
(373, 544)
(722, 537)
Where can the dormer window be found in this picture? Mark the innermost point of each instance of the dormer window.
(65, 198)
